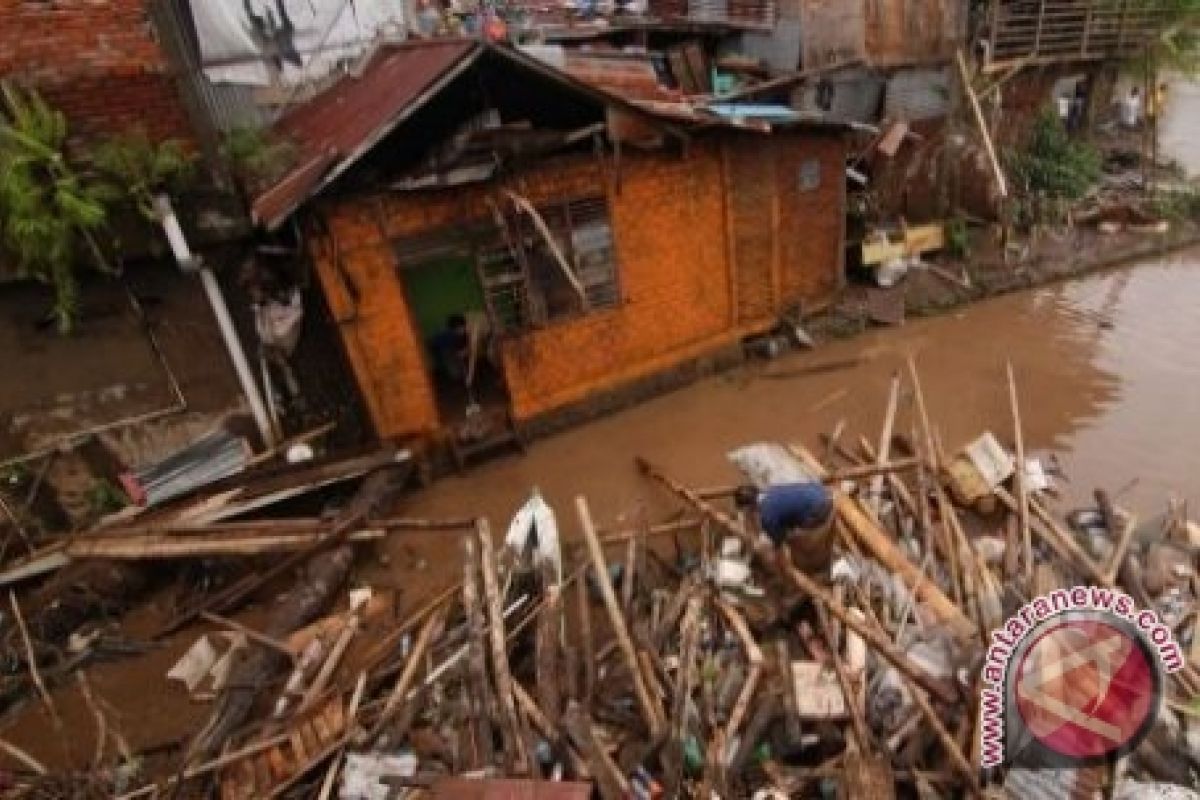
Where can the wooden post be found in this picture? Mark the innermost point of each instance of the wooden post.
(862, 733)
(479, 693)
(584, 607)
(754, 659)
(548, 646)
(609, 780)
(1021, 480)
(412, 667)
(650, 710)
(885, 445)
(964, 76)
(689, 641)
(518, 756)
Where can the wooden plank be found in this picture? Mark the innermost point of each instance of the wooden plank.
(881, 546)
(517, 752)
(651, 713)
(977, 111)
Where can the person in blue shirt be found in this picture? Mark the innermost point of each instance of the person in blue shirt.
(796, 514)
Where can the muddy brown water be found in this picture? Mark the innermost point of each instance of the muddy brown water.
(1107, 371)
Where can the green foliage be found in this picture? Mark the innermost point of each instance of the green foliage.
(255, 158)
(1054, 165)
(140, 167)
(1181, 204)
(104, 498)
(958, 238)
(49, 212)
(1177, 45)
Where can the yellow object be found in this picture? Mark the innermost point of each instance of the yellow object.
(879, 247)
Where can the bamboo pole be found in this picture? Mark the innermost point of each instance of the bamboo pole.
(548, 646)
(1021, 480)
(989, 146)
(754, 658)
(689, 641)
(412, 667)
(479, 692)
(885, 445)
(548, 730)
(859, 724)
(885, 550)
(650, 710)
(518, 755)
(587, 640)
(872, 636)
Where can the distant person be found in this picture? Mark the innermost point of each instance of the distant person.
(1157, 102)
(1077, 114)
(1131, 108)
(449, 350)
(798, 515)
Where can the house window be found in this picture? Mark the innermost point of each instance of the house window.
(810, 174)
(575, 275)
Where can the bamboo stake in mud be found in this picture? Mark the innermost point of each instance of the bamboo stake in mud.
(548, 730)
(650, 710)
(689, 640)
(518, 755)
(548, 646)
(479, 693)
(885, 445)
(412, 667)
(584, 606)
(754, 658)
(859, 724)
(1021, 480)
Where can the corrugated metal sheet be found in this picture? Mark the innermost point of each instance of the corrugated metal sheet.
(917, 94)
(336, 124)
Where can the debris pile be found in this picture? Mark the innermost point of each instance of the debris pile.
(683, 658)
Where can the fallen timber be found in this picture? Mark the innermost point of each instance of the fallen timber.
(723, 672)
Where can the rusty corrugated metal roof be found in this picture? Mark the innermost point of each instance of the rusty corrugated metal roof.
(503, 789)
(332, 129)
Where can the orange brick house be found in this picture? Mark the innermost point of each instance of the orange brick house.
(603, 245)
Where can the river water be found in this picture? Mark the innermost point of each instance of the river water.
(1108, 376)
(1106, 367)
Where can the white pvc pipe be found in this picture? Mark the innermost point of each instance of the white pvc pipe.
(187, 261)
(234, 345)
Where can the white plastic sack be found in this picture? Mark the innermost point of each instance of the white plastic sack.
(534, 526)
(361, 777)
(768, 464)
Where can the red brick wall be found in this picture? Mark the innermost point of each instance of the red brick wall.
(97, 60)
(669, 223)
